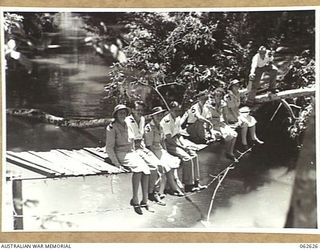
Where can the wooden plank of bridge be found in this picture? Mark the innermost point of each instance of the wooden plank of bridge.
(39, 160)
(28, 165)
(103, 166)
(97, 152)
(88, 160)
(58, 163)
(14, 171)
(78, 163)
(77, 167)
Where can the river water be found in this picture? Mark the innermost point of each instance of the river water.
(68, 81)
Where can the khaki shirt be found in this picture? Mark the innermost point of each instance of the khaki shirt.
(233, 102)
(214, 111)
(153, 136)
(117, 139)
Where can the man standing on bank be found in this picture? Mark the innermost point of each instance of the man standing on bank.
(262, 62)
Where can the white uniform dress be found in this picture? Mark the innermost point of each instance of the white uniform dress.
(214, 114)
(136, 133)
(191, 171)
(233, 102)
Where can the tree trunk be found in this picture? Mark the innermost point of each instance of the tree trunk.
(292, 93)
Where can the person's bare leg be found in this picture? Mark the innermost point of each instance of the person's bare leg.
(244, 132)
(136, 178)
(144, 185)
(253, 135)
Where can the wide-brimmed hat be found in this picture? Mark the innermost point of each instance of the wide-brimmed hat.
(174, 104)
(244, 109)
(262, 49)
(157, 110)
(233, 82)
(219, 89)
(202, 93)
(119, 107)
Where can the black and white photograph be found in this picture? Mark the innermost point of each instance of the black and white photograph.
(198, 120)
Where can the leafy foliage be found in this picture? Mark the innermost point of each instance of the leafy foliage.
(23, 35)
(195, 50)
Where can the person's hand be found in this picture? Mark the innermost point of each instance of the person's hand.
(122, 168)
(251, 76)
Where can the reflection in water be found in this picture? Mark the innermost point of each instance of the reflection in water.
(66, 81)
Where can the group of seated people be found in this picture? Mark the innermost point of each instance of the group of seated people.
(154, 152)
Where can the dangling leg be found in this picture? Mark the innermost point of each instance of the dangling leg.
(153, 185)
(172, 184)
(136, 178)
(196, 167)
(162, 185)
(244, 131)
(145, 186)
(273, 77)
(253, 135)
(152, 181)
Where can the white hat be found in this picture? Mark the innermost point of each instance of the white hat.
(244, 109)
(119, 107)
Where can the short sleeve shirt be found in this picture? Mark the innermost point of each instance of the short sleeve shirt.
(171, 125)
(195, 111)
(153, 135)
(135, 130)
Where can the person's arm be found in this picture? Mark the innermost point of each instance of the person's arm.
(110, 144)
(270, 56)
(246, 90)
(201, 118)
(254, 64)
(148, 137)
(198, 115)
(184, 117)
(225, 110)
(173, 140)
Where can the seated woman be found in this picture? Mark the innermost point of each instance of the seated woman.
(120, 150)
(233, 117)
(215, 106)
(177, 146)
(198, 127)
(154, 140)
